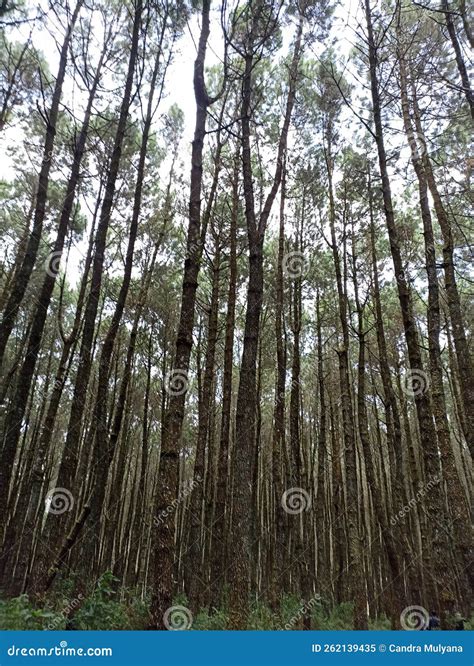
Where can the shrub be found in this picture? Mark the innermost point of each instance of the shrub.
(261, 617)
(20, 614)
(337, 618)
(214, 620)
(381, 623)
(101, 610)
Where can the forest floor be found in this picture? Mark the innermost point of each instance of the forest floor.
(106, 609)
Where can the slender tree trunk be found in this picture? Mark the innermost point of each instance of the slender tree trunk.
(221, 520)
(461, 523)
(355, 566)
(435, 505)
(279, 439)
(455, 308)
(70, 457)
(239, 573)
(22, 278)
(461, 65)
(195, 577)
(19, 401)
(163, 543)
(101, 456)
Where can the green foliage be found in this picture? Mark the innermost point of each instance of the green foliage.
(20, 614)
(290, 608)
(330, 619)
(101, 610)
(214, 620)
(261, 617)
(104, 610)
(381, 623)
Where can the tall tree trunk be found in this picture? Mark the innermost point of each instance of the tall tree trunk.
(23, 276)
(461, 346)
(195, 576)
(163, 543)
(394, 552)
(355, 569)
(15, 417)
(461, 65)
(70, 457)
(461, 522)
(435, 505)
(279, 439)
(101, 455)
(221, 520)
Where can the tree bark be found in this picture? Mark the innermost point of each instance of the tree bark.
(22, 278)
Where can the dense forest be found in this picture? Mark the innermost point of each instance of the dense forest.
(236, 382)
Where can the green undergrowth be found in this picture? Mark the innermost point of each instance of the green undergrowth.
(103, 608)
(107, 607)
